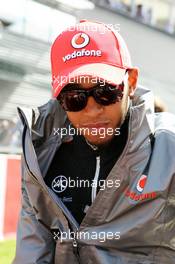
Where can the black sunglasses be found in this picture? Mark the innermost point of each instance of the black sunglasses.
(73, 98)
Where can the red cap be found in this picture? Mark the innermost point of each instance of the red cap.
(88, 49)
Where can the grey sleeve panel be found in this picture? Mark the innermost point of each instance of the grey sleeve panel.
(34, 244)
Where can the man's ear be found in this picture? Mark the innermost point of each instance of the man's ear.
(132, 80)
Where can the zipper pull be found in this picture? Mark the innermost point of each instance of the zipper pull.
(74, 243)
(75, 248)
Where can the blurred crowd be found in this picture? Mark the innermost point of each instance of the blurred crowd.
(10, 136)
(144, 12)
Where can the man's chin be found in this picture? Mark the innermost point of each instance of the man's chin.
(98, 140)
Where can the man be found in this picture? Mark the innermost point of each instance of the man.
(98, 167)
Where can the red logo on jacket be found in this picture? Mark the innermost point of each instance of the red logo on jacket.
(141, 183)
(138, 194)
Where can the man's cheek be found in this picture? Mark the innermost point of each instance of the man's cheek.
(74, 119)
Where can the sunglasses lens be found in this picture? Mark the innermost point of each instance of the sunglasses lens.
(108, 94)
(73, 101)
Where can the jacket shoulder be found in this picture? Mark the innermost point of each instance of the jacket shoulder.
(165, 130)
(165, 121)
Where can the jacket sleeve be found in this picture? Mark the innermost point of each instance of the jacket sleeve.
(34, 244)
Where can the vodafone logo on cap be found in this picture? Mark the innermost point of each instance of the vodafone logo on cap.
(141, 183)
(80, 40)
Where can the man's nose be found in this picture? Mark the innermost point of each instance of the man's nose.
(93, 108)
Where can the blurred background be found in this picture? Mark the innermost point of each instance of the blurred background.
(27, 29)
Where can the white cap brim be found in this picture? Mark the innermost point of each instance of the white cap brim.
(108, 73)
(96, 72)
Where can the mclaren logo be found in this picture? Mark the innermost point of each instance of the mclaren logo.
(80, 40)
(59, 184)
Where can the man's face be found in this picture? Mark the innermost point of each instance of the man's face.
(99, 122)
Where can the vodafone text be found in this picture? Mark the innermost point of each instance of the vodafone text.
(82, 53)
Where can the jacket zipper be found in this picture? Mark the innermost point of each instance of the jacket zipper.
(42, 183)
(96, 177)
(75, 248)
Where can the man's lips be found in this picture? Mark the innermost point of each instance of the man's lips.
(95, 125)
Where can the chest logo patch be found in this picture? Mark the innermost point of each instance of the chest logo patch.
(136, 192)
(59, 184)
(141, 183)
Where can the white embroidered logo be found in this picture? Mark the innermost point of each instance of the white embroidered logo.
(80, 40)
(59, 184)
